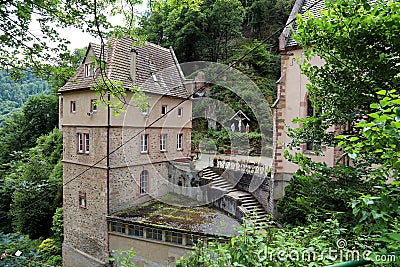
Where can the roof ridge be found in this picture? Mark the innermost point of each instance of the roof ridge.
(158, 46)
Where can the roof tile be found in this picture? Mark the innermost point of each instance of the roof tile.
(156, 69)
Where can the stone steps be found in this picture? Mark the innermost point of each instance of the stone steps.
(253, 209)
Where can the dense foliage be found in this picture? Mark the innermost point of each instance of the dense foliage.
(354, 205)
(38, 116)
(359, 41)
(221, 31)
(299, 246)
(31, 30)
(33, 252)
(13, 95)
(224, 31)
(211, 29)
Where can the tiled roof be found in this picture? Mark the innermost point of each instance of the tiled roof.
(96, 49)
(157, 70)
(300, 7)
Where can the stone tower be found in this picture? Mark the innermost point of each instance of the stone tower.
(110, 162)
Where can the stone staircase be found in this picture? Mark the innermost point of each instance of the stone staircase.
(246, 202)
(216, 180)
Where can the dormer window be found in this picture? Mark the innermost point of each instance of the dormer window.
(72, 106)
(180, 112)
(154, 76)
(164, 109)
(89, 70)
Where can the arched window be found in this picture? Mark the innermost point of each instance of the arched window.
(144, 182)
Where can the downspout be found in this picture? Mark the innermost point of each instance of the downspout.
(108, 152)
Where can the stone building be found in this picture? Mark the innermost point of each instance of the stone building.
(127, 178)
(292, 101)
(112, 162)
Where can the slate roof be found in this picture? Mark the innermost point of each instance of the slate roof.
(151, 60)
(300, 7)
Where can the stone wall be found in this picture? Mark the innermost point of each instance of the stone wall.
(149, 253)
(85, 227)
(76, 258)
(257, 185)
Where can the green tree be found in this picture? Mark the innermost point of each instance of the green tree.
(356, 89)
(199, 30)
(40, 117)
(57, 227)
(359, 42)
(14, 94)
(38, 185)
(22, 48)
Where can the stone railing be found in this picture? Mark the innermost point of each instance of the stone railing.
(244, 166)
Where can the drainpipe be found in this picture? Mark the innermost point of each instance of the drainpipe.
(108, 176)
(108, 153)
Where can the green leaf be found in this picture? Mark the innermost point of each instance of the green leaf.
(381, 92)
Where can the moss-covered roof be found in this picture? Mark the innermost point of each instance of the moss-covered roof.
(200, 219)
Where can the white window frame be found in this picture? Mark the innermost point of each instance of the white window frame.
(72, 106)
(162, 109)
(80, 142)
(180, 112)
(87, 142)
(83, 143)
(163, 142)
(154, 76)
(144, 143)
(89, 70)
(144, 182)
(179, 141)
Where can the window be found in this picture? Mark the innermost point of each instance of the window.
(135, 230)
(93, 105)
(144, 182)
(173, 237)
(144, 143)
(73, 106)
(179, 142)
(180, 112)
(192, 240)
(164, 109)
(80, 143)
(118, 227)
(163, 142)
(153, 75)
(83, 143)
(82, 199)
(155, 234)
(89, 70)
(86, 135)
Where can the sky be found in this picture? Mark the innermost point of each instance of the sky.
(80, 39)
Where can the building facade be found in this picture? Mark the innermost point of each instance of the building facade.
(113, 162)
(292, 102)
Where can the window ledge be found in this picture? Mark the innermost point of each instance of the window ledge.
(310, 152)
